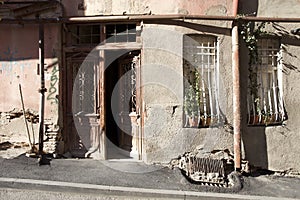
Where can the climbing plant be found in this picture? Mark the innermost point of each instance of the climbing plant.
(250, 33)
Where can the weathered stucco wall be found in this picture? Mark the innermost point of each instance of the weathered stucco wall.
(277, 8)
(162, 76)
(276, 147)
(19, 65)
(109, 7)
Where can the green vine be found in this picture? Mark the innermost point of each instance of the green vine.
(192, 97)
(250, 34)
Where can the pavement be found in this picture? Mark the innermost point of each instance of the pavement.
(123, 176)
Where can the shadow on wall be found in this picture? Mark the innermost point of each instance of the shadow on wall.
(255, 146)
(253, 138)
(248, 7)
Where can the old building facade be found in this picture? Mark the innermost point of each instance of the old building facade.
(150, 80)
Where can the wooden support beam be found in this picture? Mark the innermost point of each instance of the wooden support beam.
(33, 9)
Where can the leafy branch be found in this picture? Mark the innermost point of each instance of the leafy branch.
(250, 35)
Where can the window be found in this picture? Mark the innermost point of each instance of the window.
(84, 77)
(93, 34)
(265, 101)
(86, 34)
(200, 68)
(120, 33)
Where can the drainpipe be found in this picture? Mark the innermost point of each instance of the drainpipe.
(42, 91)
(236, 89)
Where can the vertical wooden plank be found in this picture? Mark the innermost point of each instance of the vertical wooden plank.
(42, 90)
(102, 111)
(139, 107)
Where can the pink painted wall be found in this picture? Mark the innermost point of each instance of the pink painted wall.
(18, 63)
(112, 7)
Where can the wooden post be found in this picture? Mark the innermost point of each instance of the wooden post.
(42, 90)
(23, 108)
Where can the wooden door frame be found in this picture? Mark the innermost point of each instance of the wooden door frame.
(139, 108)
(101, 98)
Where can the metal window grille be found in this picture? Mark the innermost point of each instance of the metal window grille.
(265, 100)
(85, 84)
(201, 73)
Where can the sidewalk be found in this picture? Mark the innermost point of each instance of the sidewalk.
(126, 176)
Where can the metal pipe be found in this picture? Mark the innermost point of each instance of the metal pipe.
(145, 18)
(27, 2)
(236, 90)
(295, 31)
(42, 90)
(176, 17)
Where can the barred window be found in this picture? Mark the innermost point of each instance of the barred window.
(265, 100)
(200, 68)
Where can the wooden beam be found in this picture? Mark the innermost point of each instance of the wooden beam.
(106, 46)
(33, 9)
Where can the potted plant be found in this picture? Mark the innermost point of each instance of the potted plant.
(191, 107)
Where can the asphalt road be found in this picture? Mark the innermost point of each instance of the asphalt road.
(22, 178)
(25, 194)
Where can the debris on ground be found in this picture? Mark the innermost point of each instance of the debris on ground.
(5, 145)
(13, 135)
(213, 168)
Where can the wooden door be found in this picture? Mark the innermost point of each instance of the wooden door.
(86, 135)
(129, 111)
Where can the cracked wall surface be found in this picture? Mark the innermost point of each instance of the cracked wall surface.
(274, 147)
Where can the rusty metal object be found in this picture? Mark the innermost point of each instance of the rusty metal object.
(210, 168)
(205, 170)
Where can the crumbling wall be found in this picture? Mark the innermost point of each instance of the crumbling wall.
(14, 139)
(162, 75)
(19, 68)
(276, 147)
(110, 7)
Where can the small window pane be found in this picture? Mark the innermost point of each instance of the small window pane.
(84, 34)
(110, 29)
(121, 28)
(120, 33)
(132, 38)
(85, 40)
(121, 38)
(131, 28)
(96, 29)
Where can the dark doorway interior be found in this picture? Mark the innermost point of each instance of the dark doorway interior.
(120, 95)
(111, 79)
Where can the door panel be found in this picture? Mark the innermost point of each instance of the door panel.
(128, 109)
(83, 106)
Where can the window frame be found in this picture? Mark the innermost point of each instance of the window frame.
(206, 107)
(266, 107)
(74, 38)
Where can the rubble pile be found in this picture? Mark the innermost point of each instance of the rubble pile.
(52, 138)
(13, 136)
